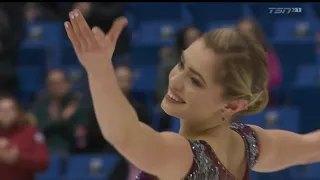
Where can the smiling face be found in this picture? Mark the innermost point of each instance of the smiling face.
(215, 78)
(9, 112)
(191, 84)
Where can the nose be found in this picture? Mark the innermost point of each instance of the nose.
(176, 82)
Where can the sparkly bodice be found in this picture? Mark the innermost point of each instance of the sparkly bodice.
(206, 165)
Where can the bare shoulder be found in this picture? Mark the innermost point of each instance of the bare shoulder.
(173, 154)
(181, 146)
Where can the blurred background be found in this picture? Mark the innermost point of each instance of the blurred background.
(38, 65)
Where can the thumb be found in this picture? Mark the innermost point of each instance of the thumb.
(116, 29)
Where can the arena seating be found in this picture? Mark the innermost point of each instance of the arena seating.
(154, 25)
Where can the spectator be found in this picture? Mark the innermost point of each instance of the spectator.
(60, 115)
(23, 151)
(96, 142)
(186, 37)
(169, 58)
(274, 65)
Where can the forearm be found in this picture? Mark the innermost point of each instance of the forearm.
(116, 117)
(313, 149)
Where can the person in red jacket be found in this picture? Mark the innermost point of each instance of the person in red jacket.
(23, 150)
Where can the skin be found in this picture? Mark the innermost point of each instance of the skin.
(8, 115)
(57, 84)
(168, 155)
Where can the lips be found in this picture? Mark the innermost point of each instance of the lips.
(174, 97)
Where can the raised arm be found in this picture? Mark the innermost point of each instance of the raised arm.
(281, 149)
(166, 155)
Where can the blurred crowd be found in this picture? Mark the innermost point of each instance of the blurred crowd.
(60, 119)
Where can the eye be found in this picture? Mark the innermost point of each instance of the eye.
(195, 82)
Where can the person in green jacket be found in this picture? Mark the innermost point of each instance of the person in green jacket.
(60, 115)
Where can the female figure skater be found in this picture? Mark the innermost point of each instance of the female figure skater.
(221, 74)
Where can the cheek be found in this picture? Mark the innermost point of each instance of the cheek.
(204, 103)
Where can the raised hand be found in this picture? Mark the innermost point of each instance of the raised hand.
(94, 49)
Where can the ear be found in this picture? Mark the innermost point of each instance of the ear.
(235, 106)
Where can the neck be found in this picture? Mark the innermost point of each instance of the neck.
(195, 130)
(220, 137)
(208, 130)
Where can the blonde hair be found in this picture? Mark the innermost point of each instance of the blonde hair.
(242, 65)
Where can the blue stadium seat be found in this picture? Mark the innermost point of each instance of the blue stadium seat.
(175, 125)
(205, 13)
(308, 75)
(293, 54)
(147, 11)
(284, 118)
(48, 36)
(307, 99)
(157, 32)
(36, 56)
(267, 26)
(69, 57)
(30, 78)
(48, 32)
(54, 170)
(305, 172)
(296, 52)
(131, 21)
(145, 54)
(286, 30)
(79, 166)
(145, 78)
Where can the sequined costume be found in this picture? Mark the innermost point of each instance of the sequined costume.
(207, 166)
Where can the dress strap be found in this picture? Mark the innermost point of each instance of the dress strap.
(250, 139)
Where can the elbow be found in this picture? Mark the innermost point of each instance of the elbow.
(124, 134)
(124, 138)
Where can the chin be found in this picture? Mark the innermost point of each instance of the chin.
(173, 109)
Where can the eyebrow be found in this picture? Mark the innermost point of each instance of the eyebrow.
(193, 71)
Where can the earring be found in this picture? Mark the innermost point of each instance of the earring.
(223, 119)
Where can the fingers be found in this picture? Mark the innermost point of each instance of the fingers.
(116, 29)
(72, 36)
(99, 36)
(85, 29)
(77, 32)
(82, 31)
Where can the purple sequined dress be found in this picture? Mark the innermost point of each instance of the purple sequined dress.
(206, 165)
